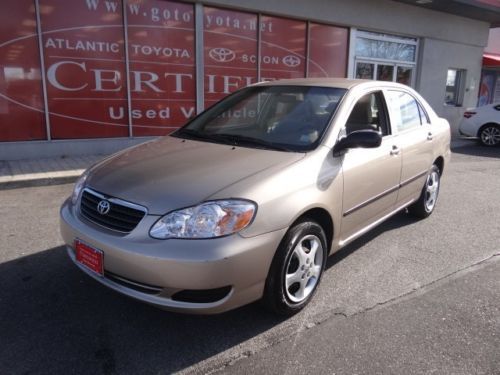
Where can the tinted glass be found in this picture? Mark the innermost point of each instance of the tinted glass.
(291, 118)
(364, 70)
(403, 75)
(385, 72)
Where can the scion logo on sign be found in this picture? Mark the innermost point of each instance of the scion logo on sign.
(291, 61)
(103, 207)
(221, 54)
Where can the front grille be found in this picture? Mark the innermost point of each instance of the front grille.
(122, 216)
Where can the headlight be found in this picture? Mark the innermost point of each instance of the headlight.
(208, 220)
(79, 185)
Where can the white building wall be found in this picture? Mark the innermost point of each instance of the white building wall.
(436, 57)
(493, 42)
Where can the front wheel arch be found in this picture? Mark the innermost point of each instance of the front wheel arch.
(323, 218)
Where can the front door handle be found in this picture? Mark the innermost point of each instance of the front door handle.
(395, 150)
(429, 136)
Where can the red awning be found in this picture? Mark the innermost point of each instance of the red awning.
(491, 60)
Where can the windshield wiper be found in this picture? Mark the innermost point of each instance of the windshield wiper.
(190, 133)
(231, 139)
(242, 140)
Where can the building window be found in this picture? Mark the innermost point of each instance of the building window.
(385, 57)
(454, 83)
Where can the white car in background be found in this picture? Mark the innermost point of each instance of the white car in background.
(483, 123)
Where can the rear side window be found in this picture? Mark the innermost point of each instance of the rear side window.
(424, 117)
(404, 109)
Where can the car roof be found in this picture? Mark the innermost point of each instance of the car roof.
(342, 83)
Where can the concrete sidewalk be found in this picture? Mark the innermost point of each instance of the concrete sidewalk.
(38, 172)
(51, 171)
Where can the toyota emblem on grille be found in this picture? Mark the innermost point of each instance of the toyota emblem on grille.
(221, 54)
(291, 61)
(103, 207)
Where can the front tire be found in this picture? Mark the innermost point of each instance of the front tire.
(426, 203)
(489, 135)
(296, 269)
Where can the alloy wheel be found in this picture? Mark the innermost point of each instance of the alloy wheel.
(431, 190)
(490, 136)
(304, 268)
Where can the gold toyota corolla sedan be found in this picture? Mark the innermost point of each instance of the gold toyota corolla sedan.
(248, 199)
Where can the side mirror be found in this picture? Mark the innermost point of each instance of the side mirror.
(359, 139)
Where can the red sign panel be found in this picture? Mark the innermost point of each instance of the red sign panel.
(84, 54)
(230, 52)
(283, 48)
(87, 45)
(327, 51)
(162, 65)
(21, 100)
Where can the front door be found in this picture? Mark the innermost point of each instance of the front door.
(371, 176)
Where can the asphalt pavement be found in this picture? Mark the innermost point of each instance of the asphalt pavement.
(409, 297)
(451, 327)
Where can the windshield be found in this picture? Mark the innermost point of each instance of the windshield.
(286, 118)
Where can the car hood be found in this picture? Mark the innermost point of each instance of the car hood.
(172, 173)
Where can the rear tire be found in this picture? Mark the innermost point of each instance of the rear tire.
(426, 203)
(296, 269)
(489, 135)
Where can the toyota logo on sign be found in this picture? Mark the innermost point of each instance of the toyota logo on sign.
(291, 61)
(103, 207)
(222, 54)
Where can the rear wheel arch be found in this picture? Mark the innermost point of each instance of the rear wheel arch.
(489, 134)
(486, 125)
(439, 162)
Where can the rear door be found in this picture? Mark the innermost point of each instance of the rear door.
(415, 140)
(371, 176)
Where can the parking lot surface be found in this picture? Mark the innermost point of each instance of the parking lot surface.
(379, 309)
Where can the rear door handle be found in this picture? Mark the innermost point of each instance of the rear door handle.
(395, 150)
(429, 136)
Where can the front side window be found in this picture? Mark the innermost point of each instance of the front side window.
(368, 114)
(404, 110)
(289, 118)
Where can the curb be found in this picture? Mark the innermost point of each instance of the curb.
(39, 179)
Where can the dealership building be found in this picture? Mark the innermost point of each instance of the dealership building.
(94, 76)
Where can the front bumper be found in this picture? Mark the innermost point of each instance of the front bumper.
(174, 265)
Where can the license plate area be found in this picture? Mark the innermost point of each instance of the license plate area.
(90, 257)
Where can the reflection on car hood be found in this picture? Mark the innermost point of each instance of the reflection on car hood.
(172, 173)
